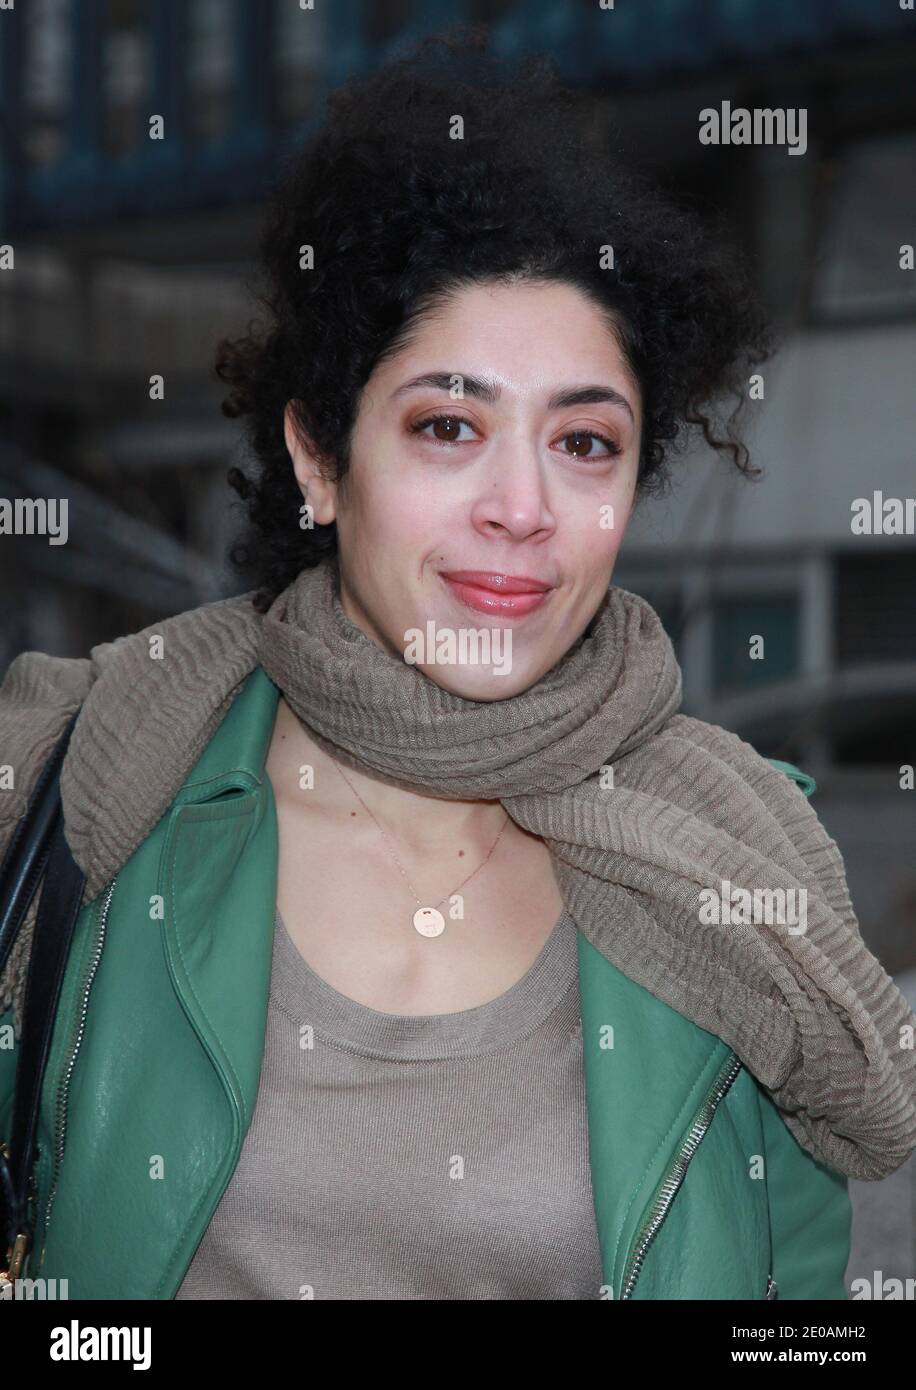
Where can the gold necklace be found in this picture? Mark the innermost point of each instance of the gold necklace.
(428, 921)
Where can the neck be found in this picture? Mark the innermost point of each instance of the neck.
(421, 824)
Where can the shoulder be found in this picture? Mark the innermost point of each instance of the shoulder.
(40, 693)
(778, 818)
(732, 751)
(804, 779)
(38, 696)
(146, 702)
(725, 782)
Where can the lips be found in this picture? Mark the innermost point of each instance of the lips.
(502, 595)
(497, 583)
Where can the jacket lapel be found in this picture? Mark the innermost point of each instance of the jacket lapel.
(225, 802)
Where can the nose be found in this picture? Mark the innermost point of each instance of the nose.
(513, 498)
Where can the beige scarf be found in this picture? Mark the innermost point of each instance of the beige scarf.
(811, 1013)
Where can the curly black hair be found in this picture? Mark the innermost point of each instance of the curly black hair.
(399, 215)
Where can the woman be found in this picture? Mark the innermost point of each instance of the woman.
(397, 974)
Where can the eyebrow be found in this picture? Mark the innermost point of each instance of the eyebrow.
(489, 392)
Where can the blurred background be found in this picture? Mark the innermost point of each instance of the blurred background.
(122, 258)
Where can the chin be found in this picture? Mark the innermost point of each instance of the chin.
(481, 685)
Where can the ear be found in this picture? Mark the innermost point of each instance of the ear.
(315, 489)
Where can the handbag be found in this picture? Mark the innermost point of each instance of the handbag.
(38, 848)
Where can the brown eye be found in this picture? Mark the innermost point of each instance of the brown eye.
(446, 428)
(583, 444)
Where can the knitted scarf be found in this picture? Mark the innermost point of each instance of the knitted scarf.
(649, 816)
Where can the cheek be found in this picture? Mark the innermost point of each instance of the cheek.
(617, 532)
(369, 505)
(618, 510)
(413, 516)
(601, 526)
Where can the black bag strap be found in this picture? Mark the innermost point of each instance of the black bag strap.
(28, 849)
(37, 847)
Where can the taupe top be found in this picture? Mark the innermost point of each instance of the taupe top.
(402, 1157)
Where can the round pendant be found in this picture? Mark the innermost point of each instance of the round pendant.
(429, 921)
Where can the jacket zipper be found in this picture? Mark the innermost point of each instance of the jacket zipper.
(63, 1090)
(675, 1174)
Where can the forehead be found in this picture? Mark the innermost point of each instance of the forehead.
(527, 337)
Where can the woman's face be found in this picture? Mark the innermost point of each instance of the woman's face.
(518, 461)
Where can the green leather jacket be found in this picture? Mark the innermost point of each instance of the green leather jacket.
(700, 1190)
